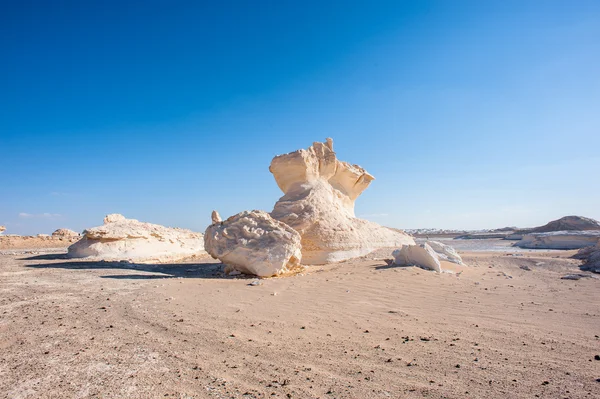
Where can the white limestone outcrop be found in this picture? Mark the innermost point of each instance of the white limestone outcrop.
(421, 255)
(129, 239)
(65, 233)
(445, 252)
(252, 242)
(320, 192)
(560, 240)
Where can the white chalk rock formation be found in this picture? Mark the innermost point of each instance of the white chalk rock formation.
(319, 200)
(65, 233)
(445, 252)
(128, 239)
(253, 243)
(560, 240)
(2, 229)
(421, 255)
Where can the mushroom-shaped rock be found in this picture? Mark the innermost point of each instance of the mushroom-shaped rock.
(252, 242)
(421, 255)
(65, 233)
(445, 252)
(2, 229)
(319, 200)
(129, 239)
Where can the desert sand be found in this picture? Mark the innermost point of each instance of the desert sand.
(502, 327)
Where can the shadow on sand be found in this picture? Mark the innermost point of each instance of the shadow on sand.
(159, 271)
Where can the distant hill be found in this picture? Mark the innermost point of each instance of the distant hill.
(568, 223)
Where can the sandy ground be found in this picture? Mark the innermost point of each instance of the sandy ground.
(358, 329)
(34, 243)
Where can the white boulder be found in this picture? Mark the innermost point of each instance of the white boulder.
(252, 242)
(560, 240)
(445, 252)
(421, 255)
(128, 239)
(319, 200)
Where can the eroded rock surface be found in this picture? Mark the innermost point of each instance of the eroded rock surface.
(320, 192)
(65, 233)
(591, 257)
(252, 242)
(129, 239)
(445, 252)
(421, 255)
(560, 240)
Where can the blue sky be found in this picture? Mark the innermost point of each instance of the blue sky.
(469, 114)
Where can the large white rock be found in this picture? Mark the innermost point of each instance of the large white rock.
(560, 240)
(128, 239)
(445, 252)
(2, 229)
(421, 255)
(319, 200)
(252, 242)
(591, 257)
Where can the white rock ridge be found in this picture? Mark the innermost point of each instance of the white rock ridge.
(445, 252)
(560, 240)
(421, 255)
(252, 242)
(319, 200)
(128, 239)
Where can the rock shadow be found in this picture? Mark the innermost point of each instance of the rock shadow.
(47, 257)
(210, 270)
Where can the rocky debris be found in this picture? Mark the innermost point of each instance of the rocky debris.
(2, 229)
(43, 236)
(445, 252)
(129, 239)
(320, 192)
(560, 240)
(421, 255)
(252, 242)
(591, 258)
(65, 233)
(577, 276)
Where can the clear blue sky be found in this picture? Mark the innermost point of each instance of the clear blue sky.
(470, 114)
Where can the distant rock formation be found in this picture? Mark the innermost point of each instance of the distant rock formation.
(2, 229)
(253, 243)
(421, 255)
(319, 200)
(65, 233)
(128, 239)
(560, 240)
(568, 223)
(445, 252)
